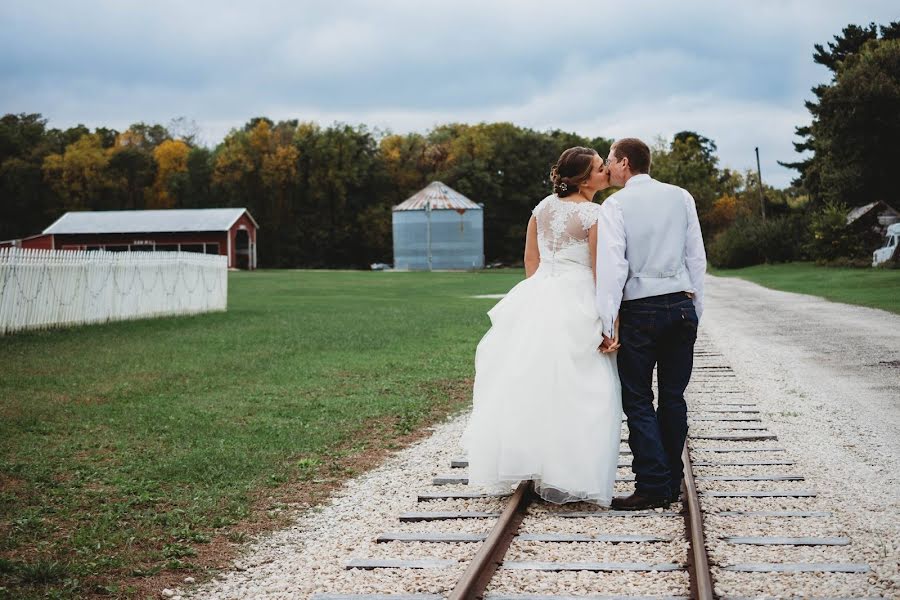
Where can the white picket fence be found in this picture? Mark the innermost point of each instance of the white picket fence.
(56, 288)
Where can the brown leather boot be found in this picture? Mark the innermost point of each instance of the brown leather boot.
(640, 502)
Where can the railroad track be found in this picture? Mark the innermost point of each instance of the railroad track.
(736, 530)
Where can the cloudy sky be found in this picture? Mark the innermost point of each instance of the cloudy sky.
(736, 72)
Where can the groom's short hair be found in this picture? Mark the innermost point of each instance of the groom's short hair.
(637, 153)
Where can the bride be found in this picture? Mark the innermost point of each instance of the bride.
(547, 404)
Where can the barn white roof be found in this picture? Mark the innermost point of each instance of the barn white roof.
(148, 221)
(441, 197)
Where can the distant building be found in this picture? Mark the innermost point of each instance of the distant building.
(226, 231)
(877, 215)
(438, 228)
(872, 224)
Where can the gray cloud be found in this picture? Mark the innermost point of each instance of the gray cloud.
(736, 72)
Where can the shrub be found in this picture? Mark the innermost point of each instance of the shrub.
(752, 241)
(733, 248)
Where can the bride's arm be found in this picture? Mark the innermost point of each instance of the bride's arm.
(592, 245)
(532, 252)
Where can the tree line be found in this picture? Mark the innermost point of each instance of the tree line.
(323, 194)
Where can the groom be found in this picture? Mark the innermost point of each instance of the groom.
(650, 266)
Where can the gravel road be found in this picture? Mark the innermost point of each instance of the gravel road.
(826, 378)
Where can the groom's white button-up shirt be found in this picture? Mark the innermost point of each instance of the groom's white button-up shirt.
(612, 265)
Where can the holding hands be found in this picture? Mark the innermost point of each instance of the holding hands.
(611, 344)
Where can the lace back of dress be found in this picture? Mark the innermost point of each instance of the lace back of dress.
(562, 224)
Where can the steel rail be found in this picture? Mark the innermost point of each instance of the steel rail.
(701, 578)
(476, 577)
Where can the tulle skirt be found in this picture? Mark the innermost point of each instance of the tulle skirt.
(547, 405)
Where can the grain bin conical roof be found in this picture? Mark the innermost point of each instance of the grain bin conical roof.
(441, 197)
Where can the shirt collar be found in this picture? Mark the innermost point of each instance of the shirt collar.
(639, 178)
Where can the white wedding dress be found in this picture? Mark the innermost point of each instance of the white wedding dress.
(547, 405)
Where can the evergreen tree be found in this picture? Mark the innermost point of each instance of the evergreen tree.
(855, 129)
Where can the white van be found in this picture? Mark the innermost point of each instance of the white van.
(886, 252)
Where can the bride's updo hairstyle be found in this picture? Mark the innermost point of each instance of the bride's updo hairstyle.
(571, 170)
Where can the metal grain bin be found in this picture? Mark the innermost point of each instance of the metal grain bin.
(438, 228)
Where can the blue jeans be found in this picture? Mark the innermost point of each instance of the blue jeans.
(657, 331)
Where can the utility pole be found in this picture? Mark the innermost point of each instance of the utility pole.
(762, 198)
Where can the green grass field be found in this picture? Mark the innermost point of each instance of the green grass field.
(877, 288)
(128, 448)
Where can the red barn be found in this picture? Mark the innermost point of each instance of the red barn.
(228, 231)
(38, 242)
